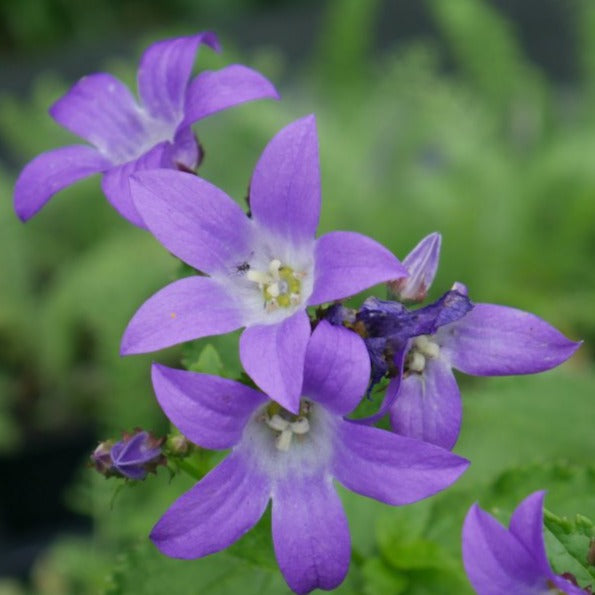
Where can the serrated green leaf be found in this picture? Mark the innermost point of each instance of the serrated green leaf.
(208, 362)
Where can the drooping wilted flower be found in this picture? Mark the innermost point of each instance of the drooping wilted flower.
(263, 271)
(291, 459)
(127, 136)
(499, 560)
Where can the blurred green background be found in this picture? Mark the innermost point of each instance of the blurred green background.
(468, 117)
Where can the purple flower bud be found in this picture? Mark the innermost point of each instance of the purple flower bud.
(101, 458)
(137, 454)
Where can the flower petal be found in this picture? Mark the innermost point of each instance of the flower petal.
(209, 410)
(285, 187)
(337, 368)
(310, 533)
(215, 90)
(526, 524)
(163, 74)
(116, 181)
(50, 172)
(495, 561)
(273, 356)
(428, 406)
(392, 468)
(496, 341)
(185, 152)
(193, 219)
(101, 109)
(422, 264)
(183, 310)
(347, 263)
(215, 513)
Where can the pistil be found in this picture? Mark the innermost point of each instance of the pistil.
(280, 285)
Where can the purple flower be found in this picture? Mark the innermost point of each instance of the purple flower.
(128, 136)
(263, 271)
(291, 459)
(511, 561)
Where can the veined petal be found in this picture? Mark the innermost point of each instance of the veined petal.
(164, 71)
(392, 468)
(116, 181)
(285, 186)
(186, 309)
(428, 406)
(273, 356)
(50, 172)
(101, 109)
(347, 263)
(310, 533)
(216, 512)
(422, 264)
(495, 561)
(337, 368)
(215, 90)
(193, 219)
(496, 341)
(526, 524)
(209, 410)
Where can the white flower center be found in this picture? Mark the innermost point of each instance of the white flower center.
(422, 348)
(286, 425)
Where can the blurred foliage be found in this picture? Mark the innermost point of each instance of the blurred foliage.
(492, 155)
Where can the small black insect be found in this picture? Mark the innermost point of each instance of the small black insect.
(242, 268)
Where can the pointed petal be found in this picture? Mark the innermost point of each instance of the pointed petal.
(347, 263)
(116, 181)
(164, 71)
(422, 264)
(185, 152)
(428, 406)
(193, 219)
(495, 561)
(215, 513)
(101, 109)
(285, 187)
(337, 368)
(496, 341)
(310, 533)
(215, 90)
(392, 468)
(50, 172)
(209, 410)
(273, 356)
(184, 310)
(526, 524)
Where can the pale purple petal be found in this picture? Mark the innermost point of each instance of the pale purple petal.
(101, 109)
(392, 468)
(497, 340)
(285, 186)
(193, 219)
(116, 181)
(164, 71)
(209, 410)
(50, 172)
(428, 405)
(422, 264)
(337, 368)
(566, 586)
(495, 561)
(347, 263)
(216, 512)
(184, 310)
(185, 152)
(273, 356)
(310, 533)
(526, 524)
(215, 90)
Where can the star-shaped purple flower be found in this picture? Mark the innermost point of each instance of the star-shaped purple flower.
(291, 459)
(263, 271)
(128, 136)
(426, 343)
(499, 561)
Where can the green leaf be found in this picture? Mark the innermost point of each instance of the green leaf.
(256, 547)
(379, 578)
(208, 362)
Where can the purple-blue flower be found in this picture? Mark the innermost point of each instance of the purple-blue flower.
(425, 344)
(291, 459)
(500, 561)
(128, 136)
(264, 270)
